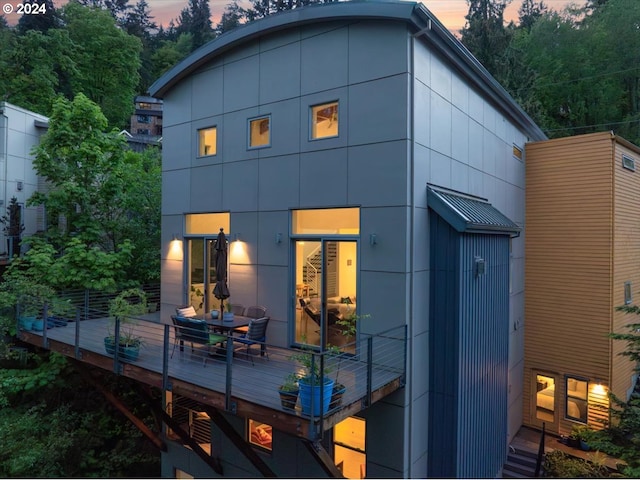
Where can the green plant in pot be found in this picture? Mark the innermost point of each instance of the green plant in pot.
(348, 328)
(315, 386)
(289, 391)
(31, 297)
(580, 436)
(126, 305)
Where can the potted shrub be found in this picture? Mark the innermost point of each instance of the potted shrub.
(123, 307)
(312, 384)
(580, 436)
(289, 391)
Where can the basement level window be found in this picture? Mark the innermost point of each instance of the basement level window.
(628, 163)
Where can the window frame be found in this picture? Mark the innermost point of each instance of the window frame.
(250, 122)
(312, 123)
(201, 132)
(567, 397)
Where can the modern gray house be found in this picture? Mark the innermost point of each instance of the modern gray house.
(359, 160)
(20, 131)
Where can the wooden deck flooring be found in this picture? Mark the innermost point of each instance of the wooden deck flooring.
(237, 384)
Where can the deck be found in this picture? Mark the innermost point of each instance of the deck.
(245, 385)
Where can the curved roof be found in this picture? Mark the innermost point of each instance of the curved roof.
(417, 16)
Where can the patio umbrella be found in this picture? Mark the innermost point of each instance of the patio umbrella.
(221, 291)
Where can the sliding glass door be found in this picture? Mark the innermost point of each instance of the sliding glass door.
(325, 289)
(201, 274)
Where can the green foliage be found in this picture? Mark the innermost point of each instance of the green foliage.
(107, 59)
(104, 207)
(558, 464)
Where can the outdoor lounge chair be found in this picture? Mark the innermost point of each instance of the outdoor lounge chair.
(254, 311)
(194, 331)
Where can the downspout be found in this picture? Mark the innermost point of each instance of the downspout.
(409, 331)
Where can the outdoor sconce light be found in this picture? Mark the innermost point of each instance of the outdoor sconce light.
(278, 238)
(479, 266)
(175, 237)
(236, 237)
(373, 240)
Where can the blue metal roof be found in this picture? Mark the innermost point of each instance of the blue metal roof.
(468, 214)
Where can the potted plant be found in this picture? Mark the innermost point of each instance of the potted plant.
(580, 436)
(13, 227)
(31, 298)
(227, 316)
(313, 384)
(289, 391)
(123, 307)
(348, 330)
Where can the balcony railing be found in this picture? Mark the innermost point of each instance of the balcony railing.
(230, 378)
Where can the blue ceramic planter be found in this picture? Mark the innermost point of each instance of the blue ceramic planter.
(319, 404)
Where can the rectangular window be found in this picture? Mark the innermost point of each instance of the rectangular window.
(143, 131)
(260, 434)
(324, 120)
(207, 140)
(627, 293)
(576, 405)
(517, 152)
(343, 221)
(143, 118)
(260, 132)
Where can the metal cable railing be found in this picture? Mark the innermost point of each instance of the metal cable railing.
(228, 368)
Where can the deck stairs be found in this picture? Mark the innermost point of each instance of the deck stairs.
(521, 463)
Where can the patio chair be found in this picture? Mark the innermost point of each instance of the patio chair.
(237, 309)
(194, 331)
(256, 334)
(255, 311)
(186, 311)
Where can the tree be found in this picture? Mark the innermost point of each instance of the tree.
(484, 33)
(196, 20)
(232, 17)
(529, 12)
(46, 18)
(107, 60)
(104, 203)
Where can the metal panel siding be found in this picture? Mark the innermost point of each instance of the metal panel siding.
(443, 347)
(483, 354)
(568, 269)
(469, 325)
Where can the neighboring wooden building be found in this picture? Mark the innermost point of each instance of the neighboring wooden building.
(582, 251)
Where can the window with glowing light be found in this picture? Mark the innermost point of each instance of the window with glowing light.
(577, 399)
(207, 138)
(324, 120)
(260, 434)
(260, 132)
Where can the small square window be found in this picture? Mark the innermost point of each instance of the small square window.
(324, 120)
(517, 152)
(260, 132)
(207, 139)
(260, 434)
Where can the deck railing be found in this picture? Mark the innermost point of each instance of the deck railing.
(363, 367)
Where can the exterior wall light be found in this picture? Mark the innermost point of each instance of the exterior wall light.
(278, 238)
(373, 239)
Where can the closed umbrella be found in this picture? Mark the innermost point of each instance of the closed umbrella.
(221, 291)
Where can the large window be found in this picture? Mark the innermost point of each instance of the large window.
(324, 120)
(349, 447)
(201, 231)
(326, 271)
(260, 132)
(576, 408)
(260, 434)
(207, 138)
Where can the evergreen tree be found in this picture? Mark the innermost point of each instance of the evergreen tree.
(43, 20)
(484, 33)
(196, 20)
(232, 17)
(529, 12)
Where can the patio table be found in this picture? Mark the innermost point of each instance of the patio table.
(227, 326)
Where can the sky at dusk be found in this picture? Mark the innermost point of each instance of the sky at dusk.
(450, 12)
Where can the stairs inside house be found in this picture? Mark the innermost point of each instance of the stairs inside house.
(520, 463)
